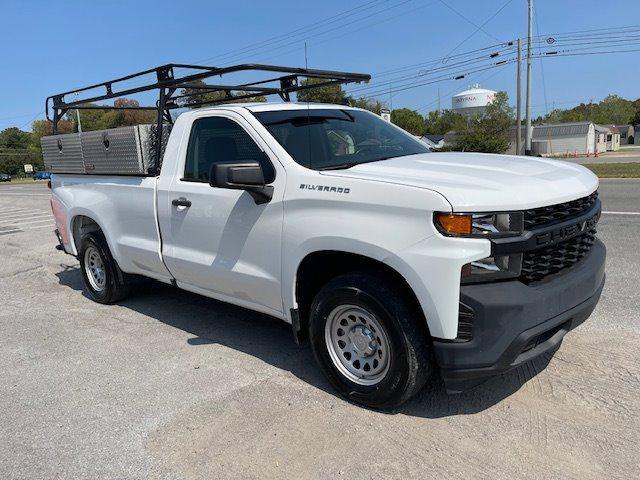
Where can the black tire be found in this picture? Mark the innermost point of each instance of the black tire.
(411, 360)
(116, 283)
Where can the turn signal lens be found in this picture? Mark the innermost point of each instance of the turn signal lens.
(455, 224)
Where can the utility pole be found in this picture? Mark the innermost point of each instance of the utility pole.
(527, 146)
(519, 102)
(439, 106)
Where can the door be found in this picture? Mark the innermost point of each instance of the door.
(218, 241)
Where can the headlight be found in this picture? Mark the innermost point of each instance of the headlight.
(485, 225)
(480, 225)
(498, 267)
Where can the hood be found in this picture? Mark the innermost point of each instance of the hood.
(482, 181)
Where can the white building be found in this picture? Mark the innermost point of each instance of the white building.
(472, 101)
(564, 138)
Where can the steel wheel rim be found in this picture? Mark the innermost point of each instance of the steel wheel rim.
(94, 266)
(357, 344)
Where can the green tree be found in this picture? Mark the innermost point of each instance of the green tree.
(196, 96)
(487, 131)
(614, 110)
(16, 149)
(441, 122)
(14, 138)
(611, 110)
(102, 119)
(326, 94)
(409, 120)
(373, 105)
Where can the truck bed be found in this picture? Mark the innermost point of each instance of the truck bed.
(127, 204)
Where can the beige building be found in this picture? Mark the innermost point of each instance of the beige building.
(627, 135)
(613, 138)
(601, 138)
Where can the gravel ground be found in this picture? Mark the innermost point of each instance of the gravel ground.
(175, 386)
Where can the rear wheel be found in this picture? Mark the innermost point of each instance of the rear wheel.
(370, 340)
(104, 282)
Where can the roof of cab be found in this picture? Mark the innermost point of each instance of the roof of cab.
(275, 106)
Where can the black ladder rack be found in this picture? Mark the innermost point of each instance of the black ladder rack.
(167, 84)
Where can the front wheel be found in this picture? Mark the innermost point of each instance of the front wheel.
(370, 340)
(104, 282)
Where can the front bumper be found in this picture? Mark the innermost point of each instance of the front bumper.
(513, 323)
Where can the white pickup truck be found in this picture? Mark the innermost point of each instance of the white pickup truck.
(395, 262)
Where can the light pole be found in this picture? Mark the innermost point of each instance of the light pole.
(519, 102)
(527, 146)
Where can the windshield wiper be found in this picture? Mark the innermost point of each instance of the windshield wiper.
(344, 166)
(341, 166)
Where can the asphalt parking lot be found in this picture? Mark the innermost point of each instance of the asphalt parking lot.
(171, 385)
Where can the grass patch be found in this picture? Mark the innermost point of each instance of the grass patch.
(19, 181)
(615, 170)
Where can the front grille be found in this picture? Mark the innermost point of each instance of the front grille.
(538, 264)
(545, 216)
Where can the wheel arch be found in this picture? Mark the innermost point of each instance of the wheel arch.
(316, 268)
(81, 223)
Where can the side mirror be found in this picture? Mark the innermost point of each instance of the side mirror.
(245, 175)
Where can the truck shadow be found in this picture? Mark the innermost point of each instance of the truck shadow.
(261, 336)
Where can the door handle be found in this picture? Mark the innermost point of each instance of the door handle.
(181, 202)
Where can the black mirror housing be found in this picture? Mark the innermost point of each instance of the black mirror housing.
(246, 175)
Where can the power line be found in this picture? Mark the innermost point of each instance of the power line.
(462, 60)
(463, 74)
(467, 19)
(455, 76)
(478, 28)
(490, 53)
(481, 26)
(303, 35)
(424, 73)
(569, 53)
(352, 31)
(588, 32)
(337, 27)
(304, 29)
(32, 120)
(451, 92)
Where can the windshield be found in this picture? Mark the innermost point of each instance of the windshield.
(324, 139)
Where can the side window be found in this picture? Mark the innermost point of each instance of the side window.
(221, 140)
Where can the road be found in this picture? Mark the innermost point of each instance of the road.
(626, 154)
(169, 385)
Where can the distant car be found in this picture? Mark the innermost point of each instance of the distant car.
(42, 175)
(5, 177)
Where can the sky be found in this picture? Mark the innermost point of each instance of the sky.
(53, 46)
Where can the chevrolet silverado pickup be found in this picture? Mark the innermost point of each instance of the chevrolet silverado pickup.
(397, 264)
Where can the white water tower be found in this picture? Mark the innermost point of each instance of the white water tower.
(472, 101)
